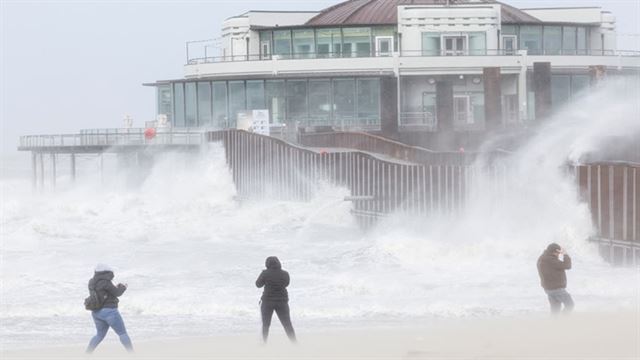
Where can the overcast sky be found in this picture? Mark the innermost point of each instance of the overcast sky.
(70, 65)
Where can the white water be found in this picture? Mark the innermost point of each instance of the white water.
(190, 253)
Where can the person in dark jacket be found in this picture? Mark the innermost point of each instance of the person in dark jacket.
(553, 277)
(108, 315)
(275, 297)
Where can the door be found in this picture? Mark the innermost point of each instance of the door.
(509, 44)
(384, 45)
(462, 109)
(454, 45)
(265, 50)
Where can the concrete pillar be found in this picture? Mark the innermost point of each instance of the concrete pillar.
(492, 98)
(444, 105)
(34, 170)
(542, 89)
(73, 167)
(41, 170)
(53, 170)
(389, 106)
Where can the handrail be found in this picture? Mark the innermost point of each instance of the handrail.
(409, 53)
(102, 138)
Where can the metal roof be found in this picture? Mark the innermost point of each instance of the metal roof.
(385, 12)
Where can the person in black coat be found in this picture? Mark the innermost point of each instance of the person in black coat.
(275, 297)
(107, 316)
(553, 277)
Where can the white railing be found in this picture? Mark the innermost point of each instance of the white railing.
(113, 137)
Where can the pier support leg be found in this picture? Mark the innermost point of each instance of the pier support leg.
(102, 168)
(73, 167)
(53, 170)
(41, 156)
(34, 170)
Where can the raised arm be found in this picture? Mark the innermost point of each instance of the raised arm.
(260, 280)
(115, 290)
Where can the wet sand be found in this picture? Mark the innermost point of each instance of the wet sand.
(578, 336)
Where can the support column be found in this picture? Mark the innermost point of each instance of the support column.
(492, 98)
(53, 170)
(73, 167)
(34, 170)
(41, 170)
(389, 106)
(101, 168)
(444, 105)
(542, 89)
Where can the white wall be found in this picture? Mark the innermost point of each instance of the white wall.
(584, 15)
(238, 28)
(414, 20)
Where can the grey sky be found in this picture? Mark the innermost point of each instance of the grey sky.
(69, 65)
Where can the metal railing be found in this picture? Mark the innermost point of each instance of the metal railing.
(410, 53)
(112, 137)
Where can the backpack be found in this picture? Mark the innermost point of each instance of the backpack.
(94, 302)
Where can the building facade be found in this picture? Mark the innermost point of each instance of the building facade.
(404, 69)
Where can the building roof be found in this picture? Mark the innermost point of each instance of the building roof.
(385, 12)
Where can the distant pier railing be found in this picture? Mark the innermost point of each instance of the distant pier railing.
(388, 147)
(103, 138)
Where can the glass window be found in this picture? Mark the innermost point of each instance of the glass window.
(265, 45)
(319, 102)
(296, 101)
(579, 83)
(282, 43)
(385, 31)
(368, 103)
(344, 98)
(356, 42)
(328, 42)
(560, 90)
(477, 108)
(178, 93)
(552, 40)
(569, 40)
(531, 39)
(508, 30)
(275, 94)
(255, 94)
(204, 104)
(236, 101)
(164, 102)
(477, 43)
(430, 44)
(303, 43)
(220, 119)
(582, 41)
(191, 104)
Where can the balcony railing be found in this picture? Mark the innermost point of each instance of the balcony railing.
(410, 53)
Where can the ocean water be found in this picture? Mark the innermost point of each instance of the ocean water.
(190, 252)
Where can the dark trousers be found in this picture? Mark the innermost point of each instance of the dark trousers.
(557, 298)
(282, 310)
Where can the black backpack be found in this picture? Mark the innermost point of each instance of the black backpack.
(94, 301)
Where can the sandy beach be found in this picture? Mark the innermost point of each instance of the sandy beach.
(578, 336)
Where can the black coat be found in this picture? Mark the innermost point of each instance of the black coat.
(104, 287)
(275, 281)
(552, 271)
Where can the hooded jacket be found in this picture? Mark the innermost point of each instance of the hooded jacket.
(275, 281)
(101, 281)
(552, 270)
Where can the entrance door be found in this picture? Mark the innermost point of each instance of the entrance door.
(265, 50)
(509, 44)
(462, 109)
(454, 45)
(384, 45)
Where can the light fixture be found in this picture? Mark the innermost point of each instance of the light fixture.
(476, 80)
(431, 81)
(461, 77)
